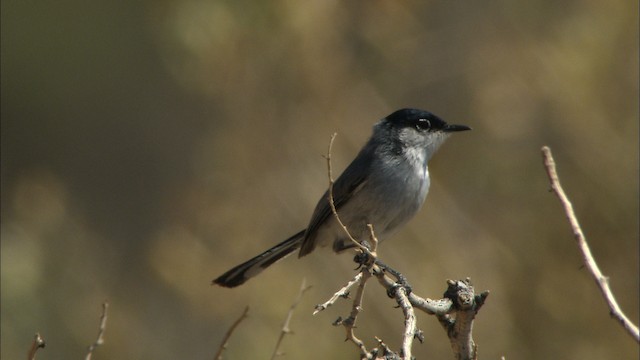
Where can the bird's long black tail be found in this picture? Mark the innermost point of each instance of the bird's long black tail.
(248, 269)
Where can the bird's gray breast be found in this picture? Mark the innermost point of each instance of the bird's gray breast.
(394, 191)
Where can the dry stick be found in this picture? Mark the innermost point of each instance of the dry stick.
(410, 326)
(342, 293)
(285, 327)
(350, 322)
(402, 298)
(410, 323)
(401, 295)
(38, 343)
(587, 257)
(460, 299)
(333, 205)
(459, 327)
(103, 325)
(429, 306)
(225, 340)
(387, 353)
(374, 241)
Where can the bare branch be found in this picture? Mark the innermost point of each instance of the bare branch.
(456, 312)
(342, 293)
(285, 326)
(383, 352)
(465, 305)
(410, 326)
(38, 343)
(431, 307)
(333, 205)
(227, 336)
(374, 242)
(103, 326)
(459, 300)
(458, 327)
(587, 257)
(350, 322)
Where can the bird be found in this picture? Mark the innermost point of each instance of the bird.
(385, 185)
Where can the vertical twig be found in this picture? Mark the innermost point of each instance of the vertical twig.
(227, 336)
(285, 327)
(37, 343)
(410, 326)
(589, 261)
(332, 203)
(350, 322)
(103, 326)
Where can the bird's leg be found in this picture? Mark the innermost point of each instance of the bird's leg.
(363, 258)
(401, 280)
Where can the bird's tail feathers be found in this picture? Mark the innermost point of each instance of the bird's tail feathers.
(243, 272)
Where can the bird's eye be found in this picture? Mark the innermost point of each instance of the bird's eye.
(423, 124)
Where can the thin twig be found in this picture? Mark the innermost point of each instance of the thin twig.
(386, 353)
(342, 293)
(285, 327)
(333, 205)
(350, 322)
(374, 242)
(103, 326)
(589, 261)
(227, 336)
(37, 343)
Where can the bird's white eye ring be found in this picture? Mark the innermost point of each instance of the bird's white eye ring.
(423, 124)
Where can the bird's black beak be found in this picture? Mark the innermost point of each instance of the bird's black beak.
(453, 128)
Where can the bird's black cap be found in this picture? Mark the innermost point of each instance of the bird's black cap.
(422, 120)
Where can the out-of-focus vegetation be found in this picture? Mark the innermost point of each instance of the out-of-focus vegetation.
(148, 146)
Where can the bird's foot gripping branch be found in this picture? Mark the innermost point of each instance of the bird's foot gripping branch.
(455, 311)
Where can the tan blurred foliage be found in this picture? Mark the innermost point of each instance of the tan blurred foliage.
(148, 146)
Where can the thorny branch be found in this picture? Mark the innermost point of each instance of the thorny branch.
(587, 257)
(350, 322)
(37, 343)
(103, 326)
(459, 301)
(342, 293)
(362, 248)
(455, 312)
(225, 340)
(285, 327)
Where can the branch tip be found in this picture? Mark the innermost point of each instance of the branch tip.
(601, 280)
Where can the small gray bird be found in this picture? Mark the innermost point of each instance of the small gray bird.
(384, 186)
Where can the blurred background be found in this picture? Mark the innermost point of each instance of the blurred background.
(148, 146)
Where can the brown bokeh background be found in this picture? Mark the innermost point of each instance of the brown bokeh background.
(148, 146)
